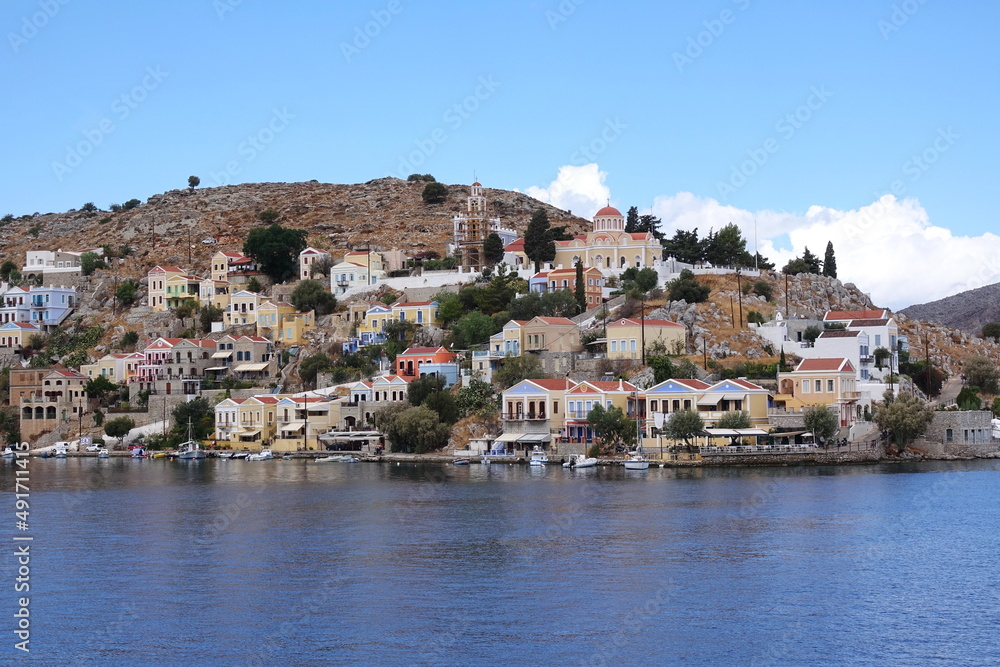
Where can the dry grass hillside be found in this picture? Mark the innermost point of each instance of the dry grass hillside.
(387, 212)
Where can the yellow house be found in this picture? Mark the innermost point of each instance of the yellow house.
(821, 382)
(182, 288)
(509, 342)
(15, 335)
(246, 423)
(551, 334)
(233, 267)
(280, 322)
(214, 292)
(626, 336)
(301, 420)
(533, 412)
(115, 367)
(418, 312)
(584, 397)
(293, 329)
(242, 309)
(157, 285)
(372, 261)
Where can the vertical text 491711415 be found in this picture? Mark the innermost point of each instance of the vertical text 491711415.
(22, 548)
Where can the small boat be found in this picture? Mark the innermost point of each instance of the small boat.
(225, 455)
(158, 455)
(485, 460)
(538, 457)
(8, 453)
(241, 455)
(103, 453)
(580, 461)
(461, 462)
(190, 450)
(344, 458)
(61, 450)
(262, 455)
(637, 461)
(287, 457)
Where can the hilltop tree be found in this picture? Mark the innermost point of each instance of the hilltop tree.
(632, 220)
(686, 288)
(906, 417)
(728, 248)
(276, 250)
(268, 216)
(990, 329)
(829, 261)
(808, 263)
(193, 182)
(982, 373)
(538, 243)
(493, 249)
(821, 421)
(685, 247)
(434, 193)
(311, 295)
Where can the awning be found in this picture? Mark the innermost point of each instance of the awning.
(292, 427)
(733, 432)
(509, 437)
(217, 368)
(734, 397)
(223, 355)
(249, 368)
(347, 436)
(710, 399)
(534, 437)
(249, 435)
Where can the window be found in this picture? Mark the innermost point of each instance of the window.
(949, 435)
(878, 340)
(631, 344)
(614, 346)
(805, 386)
(829, 386)
(819, 386)
(652, 406)
(555, 407)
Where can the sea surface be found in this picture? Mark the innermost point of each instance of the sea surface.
(290, 563)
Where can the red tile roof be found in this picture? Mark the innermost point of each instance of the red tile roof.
(561, 321)
(837, 365)
(837, 315)
(608, 210)
(839, 334)
(551, 384)
(881, 322)
(412, 351)
(627, 322)
(516, 245)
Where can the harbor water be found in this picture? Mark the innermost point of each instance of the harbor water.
(220, 562)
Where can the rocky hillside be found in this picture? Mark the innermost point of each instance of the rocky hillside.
(387, 211)
(967, 311)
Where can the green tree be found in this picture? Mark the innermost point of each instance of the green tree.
(632, 220)
(478, 397)
(89, 262)
(127, 291)
(615, 430)
(538, 243)
(763, 288)
(209, 314)
(811, 260)
(193, 182)
(580, 289)
(254, 285)
(968, 399)
(444, 406)
(118, 427)
(473, 329)
(412, 429)
(129, 340)
(276, 250)
(928, 380)
(450, 307)
(728, 248)
(990, 329)
(640, 280)
(906, 418)
(739, 419)
(881, 355)
(514, 369)
(311, 295)
(829, 261)
(980, 372)
(88, 207)
(684, 425)
(434, 193)
(493, 249)
(811, 334)
(9, 267)
(268, 216)
(201, 415)
(687, 288)
(421, 388)
(97, 387)
(685, 247)
(821, 421)
(313, 364)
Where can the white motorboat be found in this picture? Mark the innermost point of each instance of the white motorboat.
(226, 455)
(538, 457)
(103, 453)
(637, 461)
(580, 461)
(344, 458)
(8, 453)
(61, 450)
(262, 455)
(485, 460)
(190, 450)
(240, 455)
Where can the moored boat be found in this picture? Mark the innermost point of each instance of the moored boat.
(262, 455)
(103, 453)
(8, 453)
(637, 461)
(538, 457)
(580, 461)
(461, 462)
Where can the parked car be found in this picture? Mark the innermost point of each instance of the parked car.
(93, 448)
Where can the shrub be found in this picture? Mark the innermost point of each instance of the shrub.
(434, 193)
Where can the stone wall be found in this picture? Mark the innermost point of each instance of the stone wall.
(819, 458)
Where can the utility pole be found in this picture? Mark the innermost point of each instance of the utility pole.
(732, 312)
(786, 297)
(305, 427)
(739, 292)
(642, 328)
(704, 352)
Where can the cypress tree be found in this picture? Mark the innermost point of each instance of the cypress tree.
(829, 261)
(580, 291)
(538, 243)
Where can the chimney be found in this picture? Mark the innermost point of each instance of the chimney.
(621, 387)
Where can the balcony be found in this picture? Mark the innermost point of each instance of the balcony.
(522, 416)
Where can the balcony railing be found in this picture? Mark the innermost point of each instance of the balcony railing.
(524, 416)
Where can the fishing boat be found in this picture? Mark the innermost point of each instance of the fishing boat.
(225, 455)
(158, 455)
(538, 457)
(580, 461)
(344, 458)
(262, 455)
(190, 450)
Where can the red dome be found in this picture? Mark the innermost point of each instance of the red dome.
(608, 210)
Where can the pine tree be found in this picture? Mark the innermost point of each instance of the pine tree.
(829, 261)
(493, 248)
(632, 220)
(811, 260)
(538, 243)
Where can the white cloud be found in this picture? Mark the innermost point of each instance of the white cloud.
(889, 248)
(577, 189)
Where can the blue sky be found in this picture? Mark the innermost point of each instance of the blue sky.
(672, 102)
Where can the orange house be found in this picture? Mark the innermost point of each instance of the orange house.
(409, 362)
